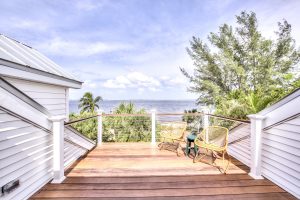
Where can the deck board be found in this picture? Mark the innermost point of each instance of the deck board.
(140, 171)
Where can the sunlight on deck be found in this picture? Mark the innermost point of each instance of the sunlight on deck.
(143, 159)
(141, 171)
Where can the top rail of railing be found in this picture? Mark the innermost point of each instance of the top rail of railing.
(79, 120)
(160, 114)
(125, 115)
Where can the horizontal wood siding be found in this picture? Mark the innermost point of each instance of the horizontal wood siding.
(71, 153)
(281, 155)
(52, 97)
(78, 139)
(25, 155)
(239, 143)
(76, 145)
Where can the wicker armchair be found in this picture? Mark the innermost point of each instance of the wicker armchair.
(172, 133)
(213, 141)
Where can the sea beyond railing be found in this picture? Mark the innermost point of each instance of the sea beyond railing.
(162, 106)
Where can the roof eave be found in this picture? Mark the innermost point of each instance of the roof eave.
(63, 81)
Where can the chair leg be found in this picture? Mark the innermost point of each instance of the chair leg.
(196, 155)
(161, 144)
(195, 149)
(228, 163)
(187, 148)
(200, 157)
(177, 150)
(225, 164)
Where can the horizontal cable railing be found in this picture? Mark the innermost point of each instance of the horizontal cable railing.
(79, 120)
(125, 115)
(124, 127)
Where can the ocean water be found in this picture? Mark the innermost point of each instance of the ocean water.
(161, 106)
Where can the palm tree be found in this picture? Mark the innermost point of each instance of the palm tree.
(125, 108)
(88, 103)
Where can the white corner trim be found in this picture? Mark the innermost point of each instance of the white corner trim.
(67, 103)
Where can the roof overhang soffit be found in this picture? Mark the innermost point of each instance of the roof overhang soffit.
(15, 70)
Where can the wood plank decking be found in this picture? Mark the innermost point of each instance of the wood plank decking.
(140, 171)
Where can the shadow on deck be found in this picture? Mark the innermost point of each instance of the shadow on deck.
(141, 171)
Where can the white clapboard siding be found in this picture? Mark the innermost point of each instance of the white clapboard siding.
(72, 153)
(25, 154)
(53, 98)
(239, 143)
(76, 145)
(74, 136)
(281, 155)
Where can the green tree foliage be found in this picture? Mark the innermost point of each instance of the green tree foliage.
(127, 128)
(116, 128)
(88, 103)
(194, 122)
(87, 127)
(240, 71)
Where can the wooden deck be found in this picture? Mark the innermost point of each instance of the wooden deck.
(140, 171)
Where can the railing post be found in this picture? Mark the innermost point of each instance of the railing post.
(205, 121)
(205, 118)
(256, 137)
(153, 128)
(100, 129)
(58, 148)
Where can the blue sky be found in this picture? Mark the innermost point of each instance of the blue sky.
(131, 49)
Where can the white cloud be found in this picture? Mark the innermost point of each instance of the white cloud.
(176, 81)
(133, 80)
(142, 82)
(89, 84)
(58, 46)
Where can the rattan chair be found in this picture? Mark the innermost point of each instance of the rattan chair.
(213, 142)
(172, 133)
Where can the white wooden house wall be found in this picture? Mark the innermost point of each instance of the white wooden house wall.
(281, 155)
(239, 143)
(26, 139)
(26, 154)
(280, 148)
(281, 144)
(54, 98)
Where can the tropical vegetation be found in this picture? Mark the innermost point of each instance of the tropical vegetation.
(87, 127)
(127, 128)
(241, 72)
(88, 103)
(116, 128)
(194, 123)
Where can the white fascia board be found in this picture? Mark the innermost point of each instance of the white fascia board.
(281, 102)
(286, 110)
(27, 75)
(21, 108)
